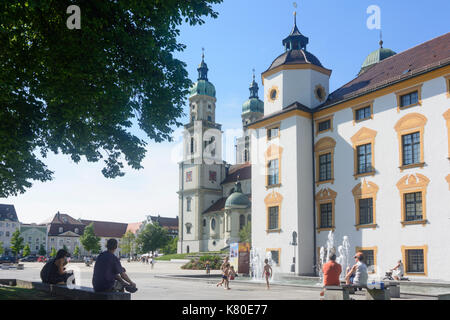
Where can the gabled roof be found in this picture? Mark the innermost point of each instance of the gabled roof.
(8, 212)
(61, 220)
(107, 229)
(425, 57)
(134, 227)
(243, 171)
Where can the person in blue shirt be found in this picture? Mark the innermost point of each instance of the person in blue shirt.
(109, 275)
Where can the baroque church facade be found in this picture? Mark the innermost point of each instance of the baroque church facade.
(369, 161)
(214, 197)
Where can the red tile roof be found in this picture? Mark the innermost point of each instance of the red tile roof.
(134, 227)
(107, 229)
(244, 171)
(425, 57)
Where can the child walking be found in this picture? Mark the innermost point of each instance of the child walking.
(208, 267)
(225, 273)
(267, 271)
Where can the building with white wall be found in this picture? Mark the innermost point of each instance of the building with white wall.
(9, 223)
(369, 161)
(35, 236)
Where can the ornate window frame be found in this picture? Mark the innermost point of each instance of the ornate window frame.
(375, 253)
(361, 106)
(274, 199)
(446, 116)
(413, 122)
(324, 146)
(320, 120)
(325, 196)
(409, 90)
(272, 153)
(405, 260)
(269, 94)
(365, 190)
(447, 82)
(362, 137)
(409, 184)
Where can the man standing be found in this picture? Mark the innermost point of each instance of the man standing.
(109, 275)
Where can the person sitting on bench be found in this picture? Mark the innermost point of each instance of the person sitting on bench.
(53, 271)
(109, 275)
(358, 273)
(398, 271)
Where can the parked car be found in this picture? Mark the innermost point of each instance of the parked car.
(29, 259)
(7, 259)
(42, 259)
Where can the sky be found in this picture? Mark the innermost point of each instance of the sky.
(247, 34)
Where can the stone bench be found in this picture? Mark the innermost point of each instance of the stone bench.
(77, 293)
(343, 292)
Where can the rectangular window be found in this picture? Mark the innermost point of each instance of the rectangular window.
(275, 256)
(188, 204)
(273, 172)
(363, 113)
(273, 218)
(326, 215)
(411, 148)
(325, 167)
(209, 119)
(415, 261)
(272, 132)
(369, 258)
(366, 211)
(364, 158)
(189, 176)
(413, 206)
(324, 125)
(409, 99)
(213, 176)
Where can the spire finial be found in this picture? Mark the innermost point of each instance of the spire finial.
(381, 39)
(203, 53)
(295, 13)
(253, 74)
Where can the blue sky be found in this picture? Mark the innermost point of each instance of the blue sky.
(246, 35)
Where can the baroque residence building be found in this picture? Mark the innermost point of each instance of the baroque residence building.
(369, 161)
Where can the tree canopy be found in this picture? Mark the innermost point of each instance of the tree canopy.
(89, 240)
(152, 238)
(16, 242)
(26, 250)
(79, 91)
(128, 243)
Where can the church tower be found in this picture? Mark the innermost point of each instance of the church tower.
(252, 110)
(202, 168)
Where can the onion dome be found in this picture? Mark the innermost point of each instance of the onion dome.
(253, 104)
(203, 86)
(296, 53)
(237, 200)
(375, 57)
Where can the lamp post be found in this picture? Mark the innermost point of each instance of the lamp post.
(293, 244)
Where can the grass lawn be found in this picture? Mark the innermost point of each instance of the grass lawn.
(15, 293)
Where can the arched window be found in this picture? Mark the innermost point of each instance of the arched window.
(192, 145)
(204, 222)
(241, 221)
(187, 249)
(213, 224)
(246, 156)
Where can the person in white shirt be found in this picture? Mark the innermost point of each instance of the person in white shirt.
(358, 273)
(398, 271)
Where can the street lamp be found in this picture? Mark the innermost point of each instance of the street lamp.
(293, 244)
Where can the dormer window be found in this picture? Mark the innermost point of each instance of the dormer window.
(60, 230)
(76, 230)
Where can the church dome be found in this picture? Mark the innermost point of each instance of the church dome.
(253, 105)
(376, 56)
(237, 200)
(203, 87)
(299, 56)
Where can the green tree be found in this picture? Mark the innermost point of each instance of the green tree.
(65, 248)
(153, 237)
(76, 251)
(26, 250)
(80, 91)
(89, 240)
(53, 252)
(171, 247)
(245, 235)
(42, 251)
(2, 249)
(16, 242)
(128, 243)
